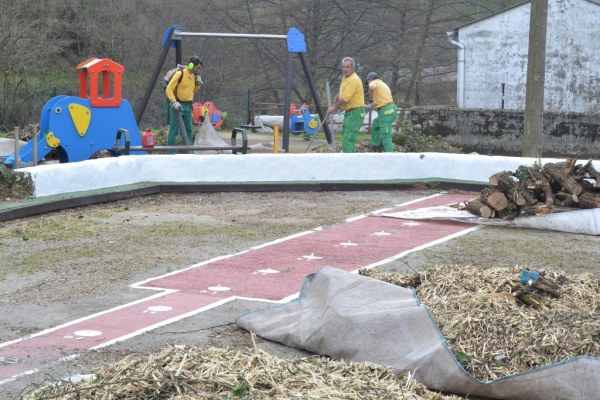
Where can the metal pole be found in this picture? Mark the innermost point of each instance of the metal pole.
(329, 122)
(315, 95)
(179, 34)
(155, 73)
(178, 53)
(249, 113)
(286, 103)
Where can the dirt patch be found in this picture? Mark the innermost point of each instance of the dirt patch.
(65, 265)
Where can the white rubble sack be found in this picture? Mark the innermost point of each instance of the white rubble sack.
(586, 222)
(208, 136)
(356, 318)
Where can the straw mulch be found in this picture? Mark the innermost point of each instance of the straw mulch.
(491, 332)
(182, 373)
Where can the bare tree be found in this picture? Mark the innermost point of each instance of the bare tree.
(42, 41)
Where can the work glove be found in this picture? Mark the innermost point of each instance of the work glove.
(177, 107)
(198, 80)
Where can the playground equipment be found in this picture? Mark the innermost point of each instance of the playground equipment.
(215, 115)
(124, 147)
(302, 121)
(296, 43)
(78, 127)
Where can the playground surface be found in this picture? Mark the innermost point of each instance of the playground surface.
(65, 266)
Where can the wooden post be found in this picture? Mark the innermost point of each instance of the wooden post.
(536, 69)
(17, 135)
(35, 144)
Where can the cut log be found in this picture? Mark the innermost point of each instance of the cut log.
(548, 194)
(494, 198)
(566, 199)
(555, 187)
(558, 174)
(543, 209)
(589, 200)
(520, 201)
(559, 209)
(504, 182)
(589, 170)
(478, 208)
(570, 165)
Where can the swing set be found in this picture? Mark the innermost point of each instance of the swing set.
(296, 43)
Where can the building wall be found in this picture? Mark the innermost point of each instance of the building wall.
(496, 51)
(500, 132)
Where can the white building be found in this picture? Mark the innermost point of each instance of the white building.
(492, 67)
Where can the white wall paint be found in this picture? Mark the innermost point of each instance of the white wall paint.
(497, 48)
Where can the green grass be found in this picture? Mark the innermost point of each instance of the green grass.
(65, 228)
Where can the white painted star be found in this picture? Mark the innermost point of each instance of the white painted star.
(78, 335)
(155, 309)
(312, 257)
(266, 271)
(219, 288)
(411, 224)
(380, 233)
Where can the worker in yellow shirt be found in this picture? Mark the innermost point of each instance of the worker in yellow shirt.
(381, 127)
(350, 99)
(180, 92)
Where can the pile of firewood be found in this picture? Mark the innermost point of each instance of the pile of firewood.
(555, 187)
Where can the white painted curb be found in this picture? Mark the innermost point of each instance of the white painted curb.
(269, 168)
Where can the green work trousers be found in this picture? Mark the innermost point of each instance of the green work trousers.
(186, 115)
(381, 128)
(353, 120)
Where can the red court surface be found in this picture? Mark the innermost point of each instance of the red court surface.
(272, 272)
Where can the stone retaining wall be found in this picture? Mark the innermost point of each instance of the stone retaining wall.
(501, 131)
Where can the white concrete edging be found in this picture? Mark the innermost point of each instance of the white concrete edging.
(269, 168)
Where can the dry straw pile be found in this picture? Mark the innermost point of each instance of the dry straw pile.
(182, 373)
(491, 332)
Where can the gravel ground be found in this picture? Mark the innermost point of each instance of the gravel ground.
(65, 265)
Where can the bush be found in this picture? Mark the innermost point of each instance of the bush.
(412, 142)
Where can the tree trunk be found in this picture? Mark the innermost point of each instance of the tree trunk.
(419, 53)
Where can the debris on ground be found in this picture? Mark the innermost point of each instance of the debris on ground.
(407, 144)
(551, 188)
(186, 372)
(361, 146)
(497, 322)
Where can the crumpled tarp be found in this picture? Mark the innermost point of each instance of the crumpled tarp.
(356, 318)
(208, 136)
(585, 222)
